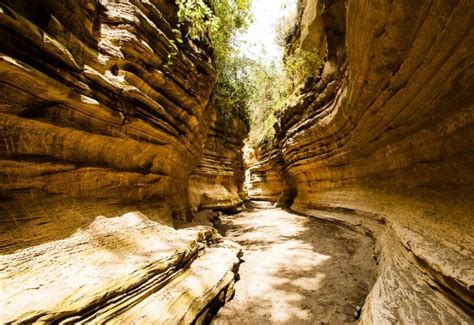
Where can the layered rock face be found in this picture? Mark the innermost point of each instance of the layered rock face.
(382, 140)
(100, 109)
(104, 112)
(266, 180)
(217, 181)
(120, 270)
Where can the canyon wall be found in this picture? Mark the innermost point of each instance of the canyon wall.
(104, 115)
(265, 174)
(382, 141)
(217, 181)
(103, 111)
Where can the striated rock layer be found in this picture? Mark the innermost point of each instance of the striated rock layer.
(265, 174)
(100, 109)
(103, 111)
(120, 270)
(217, 181)
(382, 140)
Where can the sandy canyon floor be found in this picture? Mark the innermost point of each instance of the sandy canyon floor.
(296, 269)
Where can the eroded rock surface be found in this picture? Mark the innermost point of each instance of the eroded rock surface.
(126, 269)
(382, 141)
(265, 175)
(104, 111)
(100, 107)
(217, 181)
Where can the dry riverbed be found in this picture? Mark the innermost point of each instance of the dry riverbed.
(296, 269)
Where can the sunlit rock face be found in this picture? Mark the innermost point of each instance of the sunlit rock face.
(266, 181)
(217, 181)
(100, 108)
(120, 270)
(382, 140)
(104, 112)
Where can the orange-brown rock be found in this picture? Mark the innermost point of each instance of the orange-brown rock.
(217, 181)
(266, 181)
(104, 111)
(382, 140)
(126, 269)
(100, 108)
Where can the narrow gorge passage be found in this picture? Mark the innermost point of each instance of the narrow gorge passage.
(128, 127)
(296, 269)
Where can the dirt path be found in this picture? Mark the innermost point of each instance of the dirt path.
(296, 270)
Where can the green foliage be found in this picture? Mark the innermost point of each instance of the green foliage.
(299, 66)
(274, 89)
(268, 97)
(198, 17)
(258, 91)
(173, 52)
(215, 22)
(254, 90)
(285, 26)
(233, 84)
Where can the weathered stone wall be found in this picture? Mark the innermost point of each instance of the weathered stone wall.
(382, 140)
(101, 111)
(266, 181)
(217, 181)
(103, 117)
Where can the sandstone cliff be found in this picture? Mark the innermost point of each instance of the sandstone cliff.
(382, 141)
(265, 174)
(102, 108)
(217, 181)
(104, 111)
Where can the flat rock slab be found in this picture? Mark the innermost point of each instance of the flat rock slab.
(126, 269)
(296, 270)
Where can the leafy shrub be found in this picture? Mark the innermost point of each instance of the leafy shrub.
(285, 26)
(216, 22)
(255, 90)
(299, 66)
